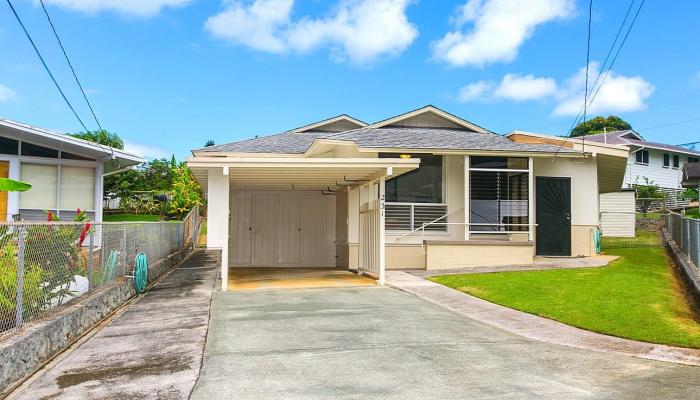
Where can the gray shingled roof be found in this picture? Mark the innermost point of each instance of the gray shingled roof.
(438, 139)
(290, 143)
(617, 138)
(389, 137)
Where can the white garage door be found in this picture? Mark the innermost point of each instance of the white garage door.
(282, 229)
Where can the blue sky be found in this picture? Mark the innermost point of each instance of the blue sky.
(167, 75)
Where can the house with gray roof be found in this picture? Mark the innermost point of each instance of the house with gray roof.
(425, 190)
(651, 161)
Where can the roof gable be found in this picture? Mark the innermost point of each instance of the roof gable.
(429, 117)
(340, 123)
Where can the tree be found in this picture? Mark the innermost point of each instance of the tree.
(599, 125)
(209, 143)
(102, 137)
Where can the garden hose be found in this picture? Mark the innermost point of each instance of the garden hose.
(141, 273)
(596, 240)
(108, 275)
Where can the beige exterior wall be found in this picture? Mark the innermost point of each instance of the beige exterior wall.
(582, 240)
(353, 255)
(444, 256)
(406, 256)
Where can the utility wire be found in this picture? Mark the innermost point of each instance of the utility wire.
(75, 75)
(588, 63)
(46, 67)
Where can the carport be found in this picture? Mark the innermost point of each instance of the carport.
(297, 212)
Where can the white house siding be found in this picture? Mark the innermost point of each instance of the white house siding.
(655, 171)
(617, 214)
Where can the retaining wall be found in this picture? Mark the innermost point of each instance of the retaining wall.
(27, 350)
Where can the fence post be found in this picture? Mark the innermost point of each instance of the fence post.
(697, 243)
(124, 249)
(19, 309)
(90, 259)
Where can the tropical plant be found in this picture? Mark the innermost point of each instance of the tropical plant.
(11, 185)
(34, 297)
(689, 194)
(647, 194)
(185, 194)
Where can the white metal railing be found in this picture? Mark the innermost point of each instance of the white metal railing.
(411, 216)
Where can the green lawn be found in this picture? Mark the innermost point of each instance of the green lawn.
(131, 218)
(649, 215)
(635, 297)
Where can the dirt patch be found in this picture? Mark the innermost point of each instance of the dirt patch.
(160, 365)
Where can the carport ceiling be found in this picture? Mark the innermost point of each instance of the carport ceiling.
(302, 173)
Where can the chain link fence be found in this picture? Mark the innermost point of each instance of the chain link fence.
(686, 233)
(47, 265)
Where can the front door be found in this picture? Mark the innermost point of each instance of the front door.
(553, 210)
(4, 173)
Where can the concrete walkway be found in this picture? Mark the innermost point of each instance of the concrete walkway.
(151, 351)
(541, 263)
(534, 327)
(380, 343)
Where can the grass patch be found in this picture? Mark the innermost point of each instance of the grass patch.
(649, 215)
(635, 297)
(693, 212)
(132, 218)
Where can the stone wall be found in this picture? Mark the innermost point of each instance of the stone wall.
(27, 350)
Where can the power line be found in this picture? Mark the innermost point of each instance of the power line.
(75, 75)
(607, 57)
(670, 124)
(46, 67)
(588, 63)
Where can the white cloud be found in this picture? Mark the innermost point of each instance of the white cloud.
(500, 27)
(139, 8)
(359, 31)
(146, 151)
(513, 87)
(618, 93)
(525, 87)
(6, 93)
(480, 90)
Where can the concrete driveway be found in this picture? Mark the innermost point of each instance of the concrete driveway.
(376, 342)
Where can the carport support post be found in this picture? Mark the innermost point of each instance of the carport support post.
(218, 216)
(382, 239)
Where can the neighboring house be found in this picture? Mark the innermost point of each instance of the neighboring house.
(425, 189)
(657, 162)
(66, 173)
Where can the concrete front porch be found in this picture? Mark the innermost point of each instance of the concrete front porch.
(247, 279)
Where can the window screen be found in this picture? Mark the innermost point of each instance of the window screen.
(44, 181)
(422, 185)
(77, 188)
(498, 198)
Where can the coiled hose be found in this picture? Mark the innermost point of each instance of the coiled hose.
(141, 273)
(597, 241)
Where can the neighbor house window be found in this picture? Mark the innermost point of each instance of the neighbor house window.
(498, 194)
(667, 160)
(77, 188)
(642, 157)
(422, 185)
(33, 150)
(44, 181)
(9, 146)
(67, 188)
(693, 159)
(676, 162)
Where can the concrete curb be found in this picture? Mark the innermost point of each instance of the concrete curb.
(25, 352)
(534, 327)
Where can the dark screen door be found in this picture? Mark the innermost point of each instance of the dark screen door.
(553, 210)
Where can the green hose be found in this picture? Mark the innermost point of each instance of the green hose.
(141, 273)
(110, 271)
(596, 241)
